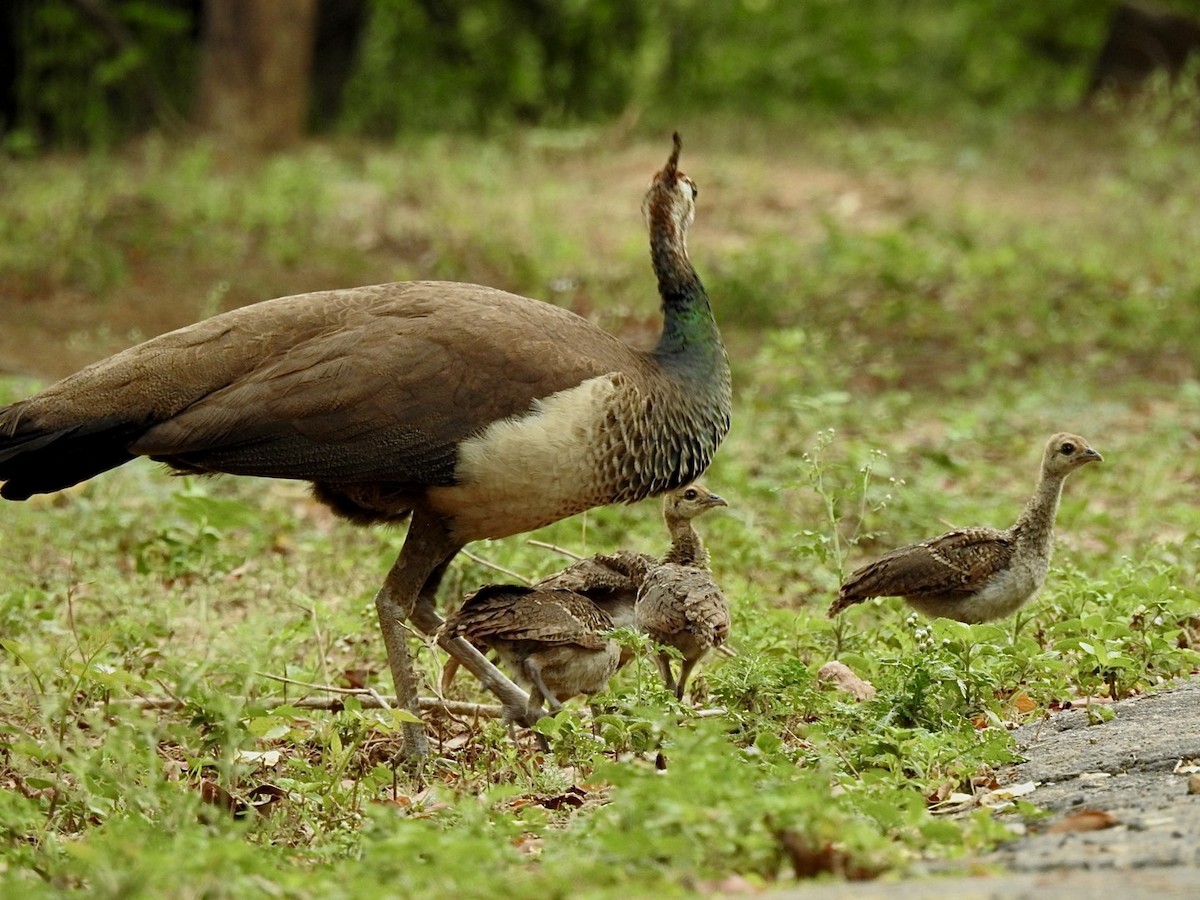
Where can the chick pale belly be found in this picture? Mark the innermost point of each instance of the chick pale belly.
(1004, 595)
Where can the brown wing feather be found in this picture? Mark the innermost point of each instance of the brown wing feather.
(955, 564)
(594, 575)
(517, 613)
(608, 580)
(365, 385)
(311, 386)
(602, 576)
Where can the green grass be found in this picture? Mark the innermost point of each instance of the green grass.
(910, 314)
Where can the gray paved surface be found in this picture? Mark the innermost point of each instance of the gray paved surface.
(1126, 767)
(1129, 884)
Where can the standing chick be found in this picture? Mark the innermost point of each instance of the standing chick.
(678, 603)
(609, 581)
(977, 574)
(612, 579)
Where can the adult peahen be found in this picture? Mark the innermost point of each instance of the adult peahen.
(472, 412)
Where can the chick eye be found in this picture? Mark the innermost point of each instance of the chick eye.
(1067, 449)
(690, 494)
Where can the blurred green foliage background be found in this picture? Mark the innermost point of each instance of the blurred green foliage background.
(389, 66)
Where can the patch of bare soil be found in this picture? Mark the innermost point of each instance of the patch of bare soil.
(747, 196)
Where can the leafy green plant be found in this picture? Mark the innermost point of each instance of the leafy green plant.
(83, 82)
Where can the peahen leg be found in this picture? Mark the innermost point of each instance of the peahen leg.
(664, 669)
(408, 594)
(685, 672)
(425, 551)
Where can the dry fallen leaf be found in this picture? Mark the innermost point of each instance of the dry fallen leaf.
(1084, 820)
(1002, 797)
(1023, 703)
(528, 844)
(810, 858)
(954, 802)
(985, 780)
(941, 792)
(263, 797)
(843, 678)
(268, 759)
(573, 798)
(457, 741)
(260, 798)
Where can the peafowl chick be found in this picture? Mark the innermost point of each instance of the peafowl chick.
(678, 603)
(977, 574)
(554, 641)
(610, 581)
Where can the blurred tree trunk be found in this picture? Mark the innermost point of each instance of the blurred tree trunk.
(255, 58)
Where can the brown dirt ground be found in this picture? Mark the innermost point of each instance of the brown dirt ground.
(760, 186)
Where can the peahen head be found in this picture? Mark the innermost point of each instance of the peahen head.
(670, 202)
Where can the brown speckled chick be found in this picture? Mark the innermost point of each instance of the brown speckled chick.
(678, 603)
(977, 574)
(554, 641)
(612, 579)
(495, 614)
